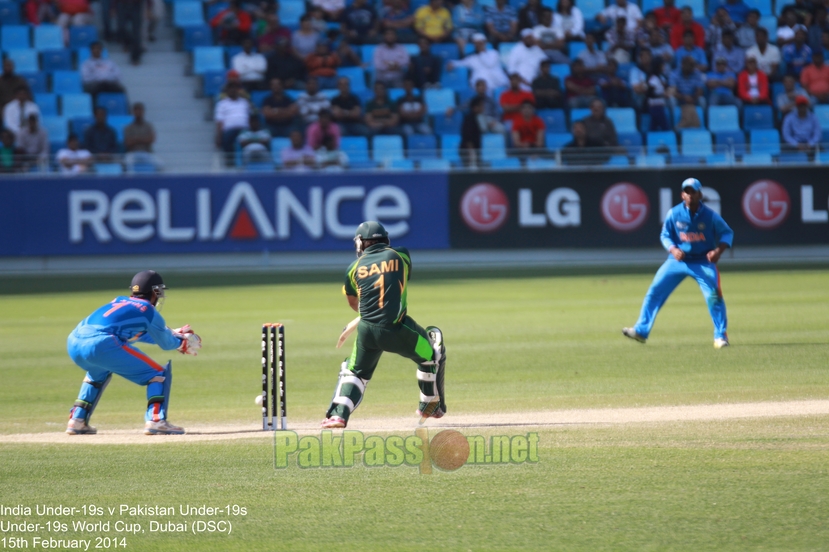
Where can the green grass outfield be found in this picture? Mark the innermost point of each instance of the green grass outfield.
(514, 344)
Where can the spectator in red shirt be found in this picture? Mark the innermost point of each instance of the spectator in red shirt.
(512, 99)
(668, 16)
(687, 23)
(232, 24)
(815, 78)
(323, 65)
(580, 88)
(753, 84)
(528, 129)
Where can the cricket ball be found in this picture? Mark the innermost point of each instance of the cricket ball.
(449, 450)
(258, 400)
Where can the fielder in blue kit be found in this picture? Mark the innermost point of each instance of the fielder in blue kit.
(695, 236)
(101, 344)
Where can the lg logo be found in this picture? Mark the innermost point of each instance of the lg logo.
(625, 207)
(484, 208)
(766, 204)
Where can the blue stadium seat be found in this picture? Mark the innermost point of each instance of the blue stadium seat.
(447, 51)
(78, 126)
(823, 157)
(730, 139)
(696, 142)
(435, 165)
(504, 49)
(395, 94)
(560, 70)
(38, 82)
(757, 159)
(769, 22)
(718, 160)
(793, 158)
(400, 165)
(686, 160)
(15, 37)
(765, 141)
(76, 105)
(493, 146)
(57, 128)
(657, 140)
(697, 5)
(505, 163)
(9, 13)
(114, 102)
(213, 10)
(449, 145)
(822, 113)
(438, 100)
(457, 79)
(208, 58)
(188, 14)
(578, 114)
(196, 35)
(758, 117)
(84, 54)
(464, 95)
(652, 160)
(554, 120)
(82, 35)
(411, 49)
(212, 83)
(277, 145)
(624, 118)
(56, 60)
(700, 113)
(723, 118)
(47, 103)
(763, 6)
(367, 53)
(356, 75)
(25, 59)
(780, 4)
(448, 125)
(556, 140)
(290, 11)
(118, 122)
(632, 141)
(589, 8)
(537, 164)
(66, 82)
(258, 96)
(574, 48)
(48, 37)
(618, 161)
(422, 146)
(384, 148)
(109, 168)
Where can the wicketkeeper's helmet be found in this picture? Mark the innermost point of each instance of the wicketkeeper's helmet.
(145, 283)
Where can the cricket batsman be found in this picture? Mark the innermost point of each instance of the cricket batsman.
(102, 345)
(695, 236)
(375, 286)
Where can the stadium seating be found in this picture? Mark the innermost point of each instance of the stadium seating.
(82, 35)
(9, 13)
(589, 8)
(56, 60)
(76, 105)
(574, 48)
(208, 58)
(66, 82)
(356, 75)
(700, 114)
(554, 120)
(560, 70)
(109, 168)
(757, 159)
(78, 126)
(58, 130)
(730, 139)
(624, 119)
(455, 79)
(763, 6)
(48, 37)
(650, 160)
(14, 37)
(435, 165)
(188, 14)
(196, 35)
(556, 140)
(25, 59)
(384, 148)
(277, 145)
(793, 158)
(659, 140)
(757, 117)
(212, 83)
(84, 54)
(718, 160)
(505, 163)
(447, 51)
(765, 141)
(422, 146)
(118, 122)
(449, 146)
(400, 165)
(47, 103)
(438, 100)
(780, 4)
(395, 94)
(723, 118)
(356, 147)
(493, 146)
(618, 161)
(696, 142)
(442, 124)
(769, 22)
(38, 82)
(114, 102)
(504, 49)
(578, 114)
(822, 113)
(632, 141)
(539, 164)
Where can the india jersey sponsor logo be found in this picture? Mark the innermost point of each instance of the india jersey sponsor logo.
(484, 207)
(766, 204)
(625, 207)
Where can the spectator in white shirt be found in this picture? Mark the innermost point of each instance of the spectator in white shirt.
(232, 116)
(550, 37)
(251, 66)
(16, 112)
(767, 55)
(569, 20)
(483, 65)
(312, 101)
(332, 9)
(391, 60)
(72, 159)
(622, 8)
(525, 58)
(33, 143)
(99, 74)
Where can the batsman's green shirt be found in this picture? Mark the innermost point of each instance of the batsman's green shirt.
(379, 278)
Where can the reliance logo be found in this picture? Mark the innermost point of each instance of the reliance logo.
(135, 215)
(625, 207)
(766, 204)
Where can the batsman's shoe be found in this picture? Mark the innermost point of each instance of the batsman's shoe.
(631, 333)
(719, 343)
(430, 410)
(333, 422)
(162, 428)
(79, 427)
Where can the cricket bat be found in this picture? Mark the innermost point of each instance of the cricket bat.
(347, 331)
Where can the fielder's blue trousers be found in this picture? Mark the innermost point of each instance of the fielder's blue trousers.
(668, 277)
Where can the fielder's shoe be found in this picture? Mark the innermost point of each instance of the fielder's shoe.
(631, 333)
(78, 426)
(162, 428)
(719, 343)
(333, 422)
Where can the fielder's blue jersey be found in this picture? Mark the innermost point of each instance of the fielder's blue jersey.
(695, 235)
(128, 319)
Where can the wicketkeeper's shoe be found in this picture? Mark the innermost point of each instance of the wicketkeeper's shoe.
(78, 426)
(719, 343)
(333, 422)
(162, 427)
(631, 333)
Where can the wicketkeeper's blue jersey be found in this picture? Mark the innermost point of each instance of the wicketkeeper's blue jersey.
(129, 319)
(695, 235)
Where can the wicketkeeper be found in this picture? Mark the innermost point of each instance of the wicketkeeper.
(376, 287)
(101, 345)
(695, 236)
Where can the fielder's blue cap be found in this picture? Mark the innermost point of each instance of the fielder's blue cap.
(692, 183)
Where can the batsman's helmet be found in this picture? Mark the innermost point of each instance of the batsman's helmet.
(145, 283)
(372, 231)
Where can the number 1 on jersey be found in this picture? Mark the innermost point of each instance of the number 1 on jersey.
(381, 284)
